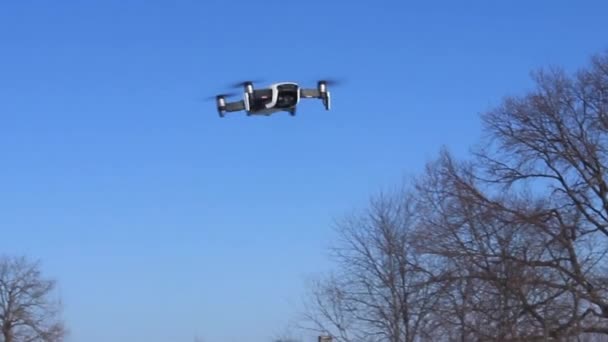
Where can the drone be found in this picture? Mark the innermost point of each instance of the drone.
(278, 97)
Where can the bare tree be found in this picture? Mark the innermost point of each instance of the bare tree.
(522, 230)
(511, 245)
(380, 291)
(556, 138)
(485, 250)
(28, 313)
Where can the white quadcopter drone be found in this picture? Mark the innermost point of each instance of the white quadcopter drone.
(278, 97)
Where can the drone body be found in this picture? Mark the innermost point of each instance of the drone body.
(278, 97)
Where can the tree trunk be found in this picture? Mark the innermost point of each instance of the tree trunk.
(7, 334)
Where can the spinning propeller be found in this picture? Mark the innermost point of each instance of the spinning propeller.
(244, 83)
(332, 81)
(214, 97)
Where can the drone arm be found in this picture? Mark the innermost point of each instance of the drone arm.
(235, 106)
(310, 93)
(316, 94)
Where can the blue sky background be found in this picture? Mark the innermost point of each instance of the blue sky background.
(162, 221)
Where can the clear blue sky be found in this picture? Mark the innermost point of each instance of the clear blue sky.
(162, 221)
